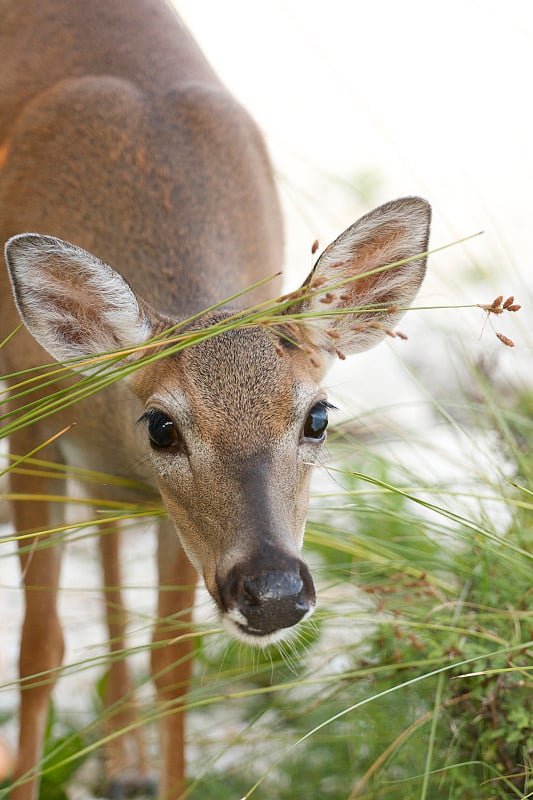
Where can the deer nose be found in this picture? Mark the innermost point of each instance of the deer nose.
(273, 600)
(264, 602)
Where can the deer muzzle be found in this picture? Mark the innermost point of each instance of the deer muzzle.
(263, 597)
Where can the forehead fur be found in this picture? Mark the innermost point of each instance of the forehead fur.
(243, 388)
(239, 379)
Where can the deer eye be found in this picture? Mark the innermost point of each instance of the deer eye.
(316, 423)
(161, 429)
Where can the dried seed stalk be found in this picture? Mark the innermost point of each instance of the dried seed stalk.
(505, 340)
(498, 305)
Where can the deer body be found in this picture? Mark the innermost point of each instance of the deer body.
(116, 136)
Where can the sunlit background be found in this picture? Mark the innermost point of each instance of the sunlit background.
(364, 102)
(361, 103)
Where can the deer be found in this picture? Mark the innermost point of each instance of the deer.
(135, 193)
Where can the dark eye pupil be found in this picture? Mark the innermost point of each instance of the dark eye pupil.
(316, 422)
(161, 429)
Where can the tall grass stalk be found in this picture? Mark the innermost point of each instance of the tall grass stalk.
(412, 680)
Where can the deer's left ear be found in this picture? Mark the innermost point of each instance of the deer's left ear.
(74, 305)
(372, 296)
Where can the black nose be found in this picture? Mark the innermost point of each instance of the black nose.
(261, 602)
(274, 600)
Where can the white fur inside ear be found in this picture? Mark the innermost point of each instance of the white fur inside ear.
(75, 305)
(372, 297)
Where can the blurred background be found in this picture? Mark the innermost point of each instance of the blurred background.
(361, 103)
(364, 102)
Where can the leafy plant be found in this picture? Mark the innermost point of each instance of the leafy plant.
(413, 680)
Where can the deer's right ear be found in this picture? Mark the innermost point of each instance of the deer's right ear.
(367, 278)
(74, 305)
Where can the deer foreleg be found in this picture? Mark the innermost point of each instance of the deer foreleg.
(125, 754)
(42, 647)
(172, 657)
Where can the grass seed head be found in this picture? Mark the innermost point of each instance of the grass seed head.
(317, 283)
(292, 328)
(505, 340)
(337, 264)
(498, 306)
(333, 334)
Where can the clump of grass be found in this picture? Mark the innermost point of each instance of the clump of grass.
(434, 698)
(414, 682)
(428, 691)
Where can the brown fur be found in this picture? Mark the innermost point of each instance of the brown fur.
(117, 136)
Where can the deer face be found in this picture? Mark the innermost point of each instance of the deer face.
(235, 423)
